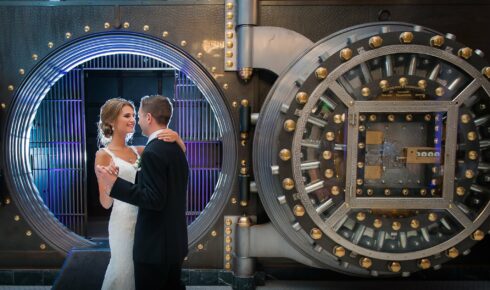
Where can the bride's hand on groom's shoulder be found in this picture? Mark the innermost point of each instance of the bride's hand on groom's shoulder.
(168, 135)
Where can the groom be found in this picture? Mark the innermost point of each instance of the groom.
(160, 242)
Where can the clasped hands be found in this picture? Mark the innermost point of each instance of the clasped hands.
(107, 175)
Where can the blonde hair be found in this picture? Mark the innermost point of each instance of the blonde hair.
(108, 114)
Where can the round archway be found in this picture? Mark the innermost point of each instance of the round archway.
(45, 75)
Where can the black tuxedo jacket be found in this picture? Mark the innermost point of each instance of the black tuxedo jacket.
(160, 193)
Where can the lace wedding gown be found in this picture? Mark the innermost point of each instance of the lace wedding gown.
(120, 271)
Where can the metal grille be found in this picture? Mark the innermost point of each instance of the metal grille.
(196, 123)
(57, 151)
(125, 62)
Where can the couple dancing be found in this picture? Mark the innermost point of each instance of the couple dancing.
(146, 187)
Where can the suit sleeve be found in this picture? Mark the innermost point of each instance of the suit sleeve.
(150, 191)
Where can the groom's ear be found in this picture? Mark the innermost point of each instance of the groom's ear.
(149, 117)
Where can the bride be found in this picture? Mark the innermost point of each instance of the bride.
(116, 127)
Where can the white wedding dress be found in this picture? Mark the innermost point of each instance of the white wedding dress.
(120, 271)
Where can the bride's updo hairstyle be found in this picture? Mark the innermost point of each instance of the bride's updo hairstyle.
(108, 114)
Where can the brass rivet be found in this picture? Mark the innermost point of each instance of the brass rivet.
(437, 41)
(469, 174)
(471, 136)
(396, 225)
(365, 92)
(478, 235)
(360, 164)
(107, 25)
(229, 63)
(229, 53)
(243, 170)
(229, 15)
(126, 25)
(405, 191)
(486, 71)
(360, 216)
(228, 248)
(16, 218)
(28, 233)
(327, 155)
(337, 119)
(288, 183)
(361, 145)
(362, 118)
(409, 117)
(42, 246)
(213, 69)
(375, 41)
(422, 84)
(315, 233)
(465, 118)
(432, 217)
(234, 104)
(329, 173)
(377, 223)
(346, 54)
(415, 224)
(244, 102)
(228, 240)
(359, 191)
(146, 27)
(424, 264)
(395, 267)
(460, 191)
(372, 118)
(228, 231)
(289, 125)
(370, 192)
(165, 33)
(227, 257)
(183, 43)
(330, 136)
(440, 91)
(423, 192)
(10, 88)
(229, 44)
(199, 55)
(243, 142)
(229, 25)
(68, 35)
(229, 34)
(365, 262)
(22, 71)
(427, 117)
(227, 266)
(359, 181)
(339, 251)
(50, 44)
(86, 28)
(243, 162)
(406, 37)
(200, 246)
(229, 5)
(285, 154)
(465, 52)
(391, 118)
(299, 210)
(472, 155)
(301, 98)
(387, 192)
(403, 82)
(383, 84)
(362, 128)
(335, 190)
(228, 222)
(321, 73)
(35, 56)
(234, 200)
(225, 86)
(452, 253)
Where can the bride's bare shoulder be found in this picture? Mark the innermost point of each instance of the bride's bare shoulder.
(102, 157)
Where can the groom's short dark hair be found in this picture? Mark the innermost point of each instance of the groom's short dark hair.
(159, 107)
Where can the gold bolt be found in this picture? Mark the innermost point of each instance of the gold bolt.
(403, 82)
(360, 164)
(86, 28)
(346, 54)
(337, 119)
(361, 145)
(289, 125)
(214, 233)
(299, 210)
(288, 184)
(415, 224)
(228, 248)
(301, 98)
(383, 84)
(226, 86)
(229, 34)
(50, 44)
(229, 15)
(409, 117)
(234, 200)
(452, 253)
(213, 69)
(35, 56)
(42, 246)
(427, 117)
(377, 223)
(405, 191)
(229, 25)
(391, 117)
(315, 233)
(330, 136)
(227, 266)
(387, 191)
(229, 53)
(68, 35)
(359, 191)
(360, 216)
(372, 118)
(362, 128)
(321, 73)
(327, 155)
(107, 25)
(339, 251)
(424, 264)
(375, 41)
(199, 54)
(229, 5)
(228, 222)
(243, 170)
(183, 43)
(362, 118)
(478, 235)
(432, 217)
(423, 192)
(486, 71)
(440, 91)
(228, 240)
(16, 218)
(22, 71)
(465, 52)
(285, 154)
(126, 25)
(365, 92)
(227, 257)
(7, 200)
(406, 37)
(229, 63)
(469, 174)
(229, 44)
(370, 192)
(460, 191)
(329, 173)
(228, 231)
(465, 118)
(472, 155)
(471, 135)
(165, 34)
(359, 181)
(28, 233)
(422, 84)
(395, 267)
(10, 88)
(365, 262)
(335, 190)
(234, 104)
(396, 226)
(437, 41)
(200, 247)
